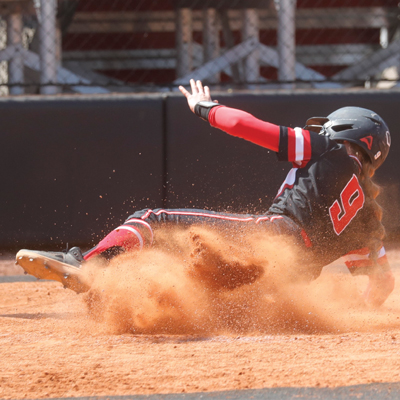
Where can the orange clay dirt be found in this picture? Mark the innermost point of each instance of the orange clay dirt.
(192, 317)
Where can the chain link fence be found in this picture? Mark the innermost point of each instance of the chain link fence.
(102, 46)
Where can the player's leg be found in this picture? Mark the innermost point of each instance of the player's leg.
(136, 233)
(65, 266)
(59, 266)
(133, 234)
(217, 268)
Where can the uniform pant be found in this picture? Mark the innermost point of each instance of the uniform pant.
(137, 230)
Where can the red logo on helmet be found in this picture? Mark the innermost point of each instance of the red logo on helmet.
(368, 141)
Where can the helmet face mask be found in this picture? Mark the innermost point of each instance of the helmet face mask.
(315, 124)
(356, 125)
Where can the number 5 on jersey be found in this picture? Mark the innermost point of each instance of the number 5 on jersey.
(351, 201)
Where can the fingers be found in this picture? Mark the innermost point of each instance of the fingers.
(199, 87)
(199, 93)
(184, 91)
(193, 86)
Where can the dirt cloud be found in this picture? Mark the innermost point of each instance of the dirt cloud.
(204, 282)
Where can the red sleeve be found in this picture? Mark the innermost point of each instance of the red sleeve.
(246, 126)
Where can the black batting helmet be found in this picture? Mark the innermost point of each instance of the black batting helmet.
(356, 125)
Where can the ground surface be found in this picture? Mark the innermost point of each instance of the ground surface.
(51, 344)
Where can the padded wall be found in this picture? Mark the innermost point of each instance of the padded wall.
(72, 168)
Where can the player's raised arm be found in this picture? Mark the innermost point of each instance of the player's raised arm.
(199, 93)
(230, 120)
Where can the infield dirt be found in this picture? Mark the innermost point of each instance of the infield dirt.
(166, 321)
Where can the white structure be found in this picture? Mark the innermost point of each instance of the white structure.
(206, 61)
(14, 40)
(47, 61)
(286, 41)
(48, 46)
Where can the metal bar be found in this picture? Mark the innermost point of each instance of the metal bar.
(229, 42)
(251, 63)
(184, 39)
(65, 77)
(334, 54)
(286, 42)
(270, 56)
(113, 85)
(8, 53)
(16, 62)
(390, 75)
(48, 47)
(127, 59)
(211, 39)
(371, 65)
(346, 55)
(126, 64)
(221, 63)
(164, 21)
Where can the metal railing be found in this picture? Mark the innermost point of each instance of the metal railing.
(98, 46)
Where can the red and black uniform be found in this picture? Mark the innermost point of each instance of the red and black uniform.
(323, 194)
(321, 203)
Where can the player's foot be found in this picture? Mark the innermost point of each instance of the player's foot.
(63, 267)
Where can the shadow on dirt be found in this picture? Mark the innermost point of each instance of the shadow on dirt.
(374, 391)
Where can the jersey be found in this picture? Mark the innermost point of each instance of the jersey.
(323, 193)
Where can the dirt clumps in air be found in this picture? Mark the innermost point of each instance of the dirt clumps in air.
(203, 281)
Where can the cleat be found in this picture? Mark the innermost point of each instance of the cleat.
(64, 267)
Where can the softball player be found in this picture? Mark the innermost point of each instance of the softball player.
(326, 203)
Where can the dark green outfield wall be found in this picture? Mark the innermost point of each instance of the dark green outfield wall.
(72, 168)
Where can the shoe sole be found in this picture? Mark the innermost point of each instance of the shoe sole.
(43, 267)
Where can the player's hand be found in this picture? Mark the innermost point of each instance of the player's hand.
(380, 285)
(199, 93)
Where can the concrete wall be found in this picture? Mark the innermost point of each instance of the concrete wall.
(73, 167)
